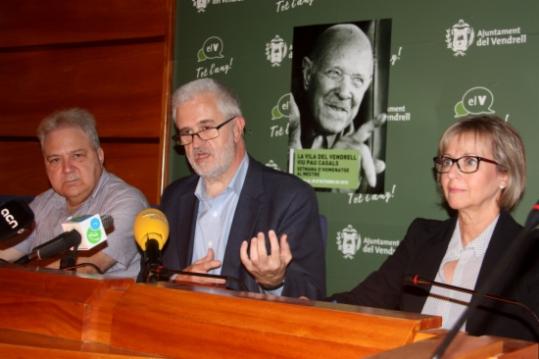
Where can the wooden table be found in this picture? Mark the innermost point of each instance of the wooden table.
(56, 314)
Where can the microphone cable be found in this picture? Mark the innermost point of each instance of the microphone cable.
(417, 281)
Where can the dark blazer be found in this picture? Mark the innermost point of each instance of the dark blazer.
(269, 200)
(422, 251)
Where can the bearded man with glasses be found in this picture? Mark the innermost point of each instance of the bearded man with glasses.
(236, 217)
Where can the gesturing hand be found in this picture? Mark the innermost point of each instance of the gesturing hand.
(203, 265)
(268, 270)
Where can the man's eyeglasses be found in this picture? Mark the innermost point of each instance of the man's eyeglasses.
(466, 164)
(205, 134)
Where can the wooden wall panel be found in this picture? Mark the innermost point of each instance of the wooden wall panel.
(112, 57)
(38, 22)
(121, 85)
(24, 171)
(136, 164)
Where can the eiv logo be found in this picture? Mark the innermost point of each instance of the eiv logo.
(348, 242)
(282, 108)
(477, 100)
(211, 49)
(282, 111)
(459, 37)
(277, 50)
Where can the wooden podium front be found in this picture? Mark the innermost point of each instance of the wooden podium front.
(58, 314)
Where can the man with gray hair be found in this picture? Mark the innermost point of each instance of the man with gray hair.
(80, 185)
(336, 75)
(236, 217)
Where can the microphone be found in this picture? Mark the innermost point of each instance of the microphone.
(16, 218)
(518, 247)
(417, 280)
(151, 233)
(533, 216)
(56, 246)
(93, 233)
(71, 238)
(93, 229)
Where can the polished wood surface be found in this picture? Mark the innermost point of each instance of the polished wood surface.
(256, 325)
(58, 304)
(23, 170)
(465, 347)
(179, 321)
(112, 57)
(91, 316)
(17, 344)
(136, 164)
(72, 21)
(119, 84)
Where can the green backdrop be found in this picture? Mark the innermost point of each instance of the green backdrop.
(495, 69)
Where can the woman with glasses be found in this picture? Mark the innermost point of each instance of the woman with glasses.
(481, 171)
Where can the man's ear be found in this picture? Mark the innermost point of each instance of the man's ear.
(101, 155)
(307, 70)
(239, 127)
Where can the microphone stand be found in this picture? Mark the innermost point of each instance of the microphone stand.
(416, 280)
(69, 259)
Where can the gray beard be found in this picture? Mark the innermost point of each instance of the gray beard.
(220, 167)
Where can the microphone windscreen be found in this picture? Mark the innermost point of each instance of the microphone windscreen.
(150, 223)
(58, 245)
(15, 216)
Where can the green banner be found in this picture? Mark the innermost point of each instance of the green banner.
(434, 62)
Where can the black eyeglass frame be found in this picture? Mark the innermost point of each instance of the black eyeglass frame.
(437, 162)
(178, 137)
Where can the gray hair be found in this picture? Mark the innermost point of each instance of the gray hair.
(227, 102)
(506, 146)
(73, 117)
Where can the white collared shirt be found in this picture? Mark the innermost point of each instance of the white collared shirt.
(469, 260)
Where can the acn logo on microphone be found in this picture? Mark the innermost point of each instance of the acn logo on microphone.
(9, 218)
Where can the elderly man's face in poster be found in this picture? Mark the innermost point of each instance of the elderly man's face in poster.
(336, 84)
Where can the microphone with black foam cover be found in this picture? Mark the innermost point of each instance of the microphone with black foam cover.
(16, 218)
(82, 231)
(151, 233)
(53, 248)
